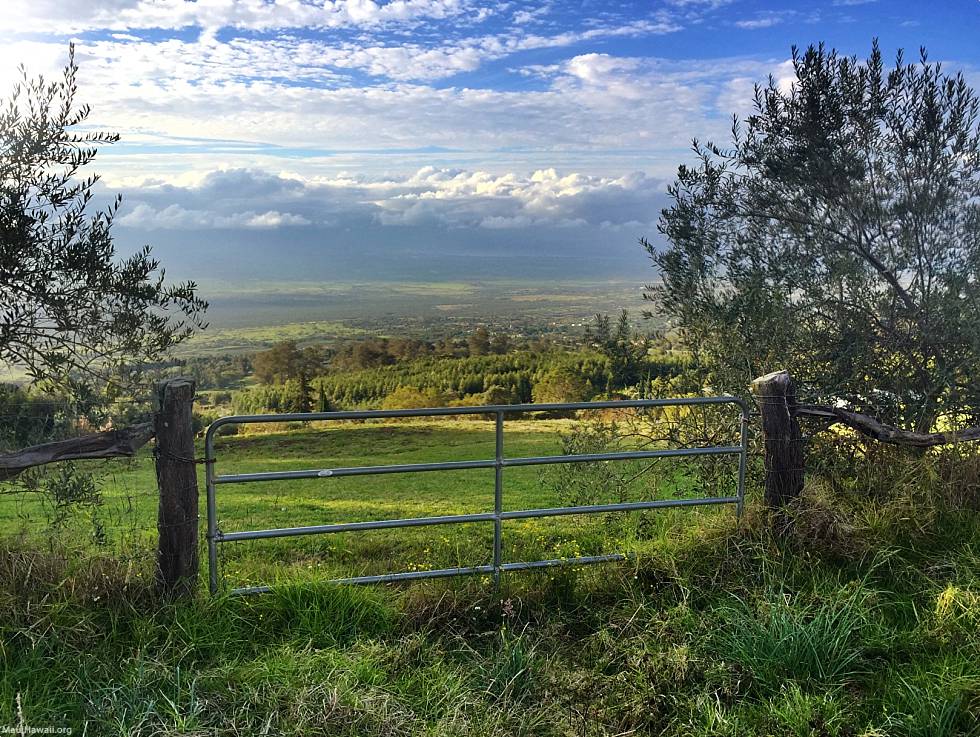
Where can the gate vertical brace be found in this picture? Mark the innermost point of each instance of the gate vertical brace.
(498, 500)
(212, 510)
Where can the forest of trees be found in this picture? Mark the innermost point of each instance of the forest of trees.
(610, 359)
(483, 368)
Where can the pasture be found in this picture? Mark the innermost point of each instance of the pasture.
(128, 511)
(711, 628)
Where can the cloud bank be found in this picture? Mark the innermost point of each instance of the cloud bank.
(447, 126)
(431, 197)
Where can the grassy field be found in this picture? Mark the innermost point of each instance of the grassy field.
(860, 623)
(250, 316)
(221, 341)
(127, 515)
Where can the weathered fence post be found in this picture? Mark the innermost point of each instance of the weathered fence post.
(776, 397)
(177, 555)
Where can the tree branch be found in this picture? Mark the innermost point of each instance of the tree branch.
(871, 427)
(124, 442)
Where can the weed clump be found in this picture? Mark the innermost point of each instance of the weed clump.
(820, 643)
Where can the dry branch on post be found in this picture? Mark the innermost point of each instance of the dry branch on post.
(111, 444)
(872, 428)
(776, 397)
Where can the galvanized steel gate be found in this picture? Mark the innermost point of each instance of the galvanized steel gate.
(498, 463)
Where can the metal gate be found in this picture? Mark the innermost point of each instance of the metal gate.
(498, 463)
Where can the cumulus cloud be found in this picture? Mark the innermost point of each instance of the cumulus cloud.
(275, 219)
(175, 217)
(434, 221)
(432, 197)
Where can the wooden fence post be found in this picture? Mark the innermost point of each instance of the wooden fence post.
(177, 554)
(776, 397)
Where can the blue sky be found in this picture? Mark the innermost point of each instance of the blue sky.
(454, 128)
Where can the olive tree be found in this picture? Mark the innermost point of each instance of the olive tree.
(837, 235)
(71, 309)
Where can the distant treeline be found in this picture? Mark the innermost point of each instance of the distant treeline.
(482, 369)
(212, 372)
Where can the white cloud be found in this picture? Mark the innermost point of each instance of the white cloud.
(431, 197)
(412, 61)
(737, 95)
(195, 90)
(275, 219)
(763, 21)
(244, 99)
(126, 60)
(187, 106)
(75, 16)
(599, 68)
(146, 217)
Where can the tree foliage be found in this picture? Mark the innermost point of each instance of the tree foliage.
(492, 379)
(27, 418)
(562, 384)
(626, 350)
(376, 352)
(479, 342)
(70, 308)
(839, 237)
(286, 361)
(410, 397)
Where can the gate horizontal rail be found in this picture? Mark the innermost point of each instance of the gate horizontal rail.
(498, 463)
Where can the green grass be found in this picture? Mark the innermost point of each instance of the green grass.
(129, 511)
(710, 629)
(219, 341)
(811, 643)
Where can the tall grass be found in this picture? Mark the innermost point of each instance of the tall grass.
(811, 643)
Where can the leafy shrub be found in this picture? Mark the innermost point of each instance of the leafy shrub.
(561, 384)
